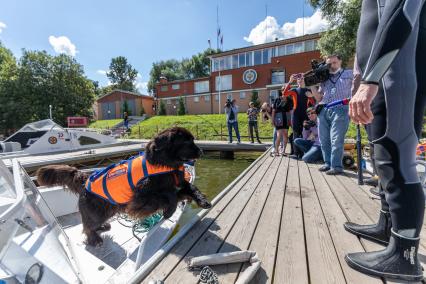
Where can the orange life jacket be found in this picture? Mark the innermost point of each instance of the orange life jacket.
(117, 182)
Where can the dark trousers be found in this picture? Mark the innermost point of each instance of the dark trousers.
(253, 124)
(237, 133)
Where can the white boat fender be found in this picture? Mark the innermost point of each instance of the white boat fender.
(225, 258)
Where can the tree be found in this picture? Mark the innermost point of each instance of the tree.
(188, 68)
(162, 110)
(121, 74)
(171, 69)
(8, 72)
(343, 17)
(181, 107)
(255, 98)
(41, 80)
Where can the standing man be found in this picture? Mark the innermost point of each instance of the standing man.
(391, 53)
(126, 120)
(299, 114)
(333, 122)
(252, 114)
(231, 111)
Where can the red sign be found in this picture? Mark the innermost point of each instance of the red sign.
(77, 121)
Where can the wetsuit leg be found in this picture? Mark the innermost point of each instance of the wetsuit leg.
(421, 74)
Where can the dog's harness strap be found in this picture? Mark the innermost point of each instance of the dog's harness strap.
(129, 175)
(144, 168)
(105, 189)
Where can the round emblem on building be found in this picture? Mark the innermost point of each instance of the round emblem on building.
(52, 140)
(250, 76)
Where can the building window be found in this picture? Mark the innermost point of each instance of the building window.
(273, 51)
(224, 83)
(266, 56)
(249, 58)
(215, 65)
(228, 62)
(277, 77)
(289, 49)
(169, 102)
(273, 94)
(299, 47)
(175, 86)
(315, 44)
(258, 57)
(242, 95)
(216, 98)
(281, 50)
(309, 45)
(164, 88)
(242, 60)
(196, 99)
(201, 87)
(235, 61)
(221, 63)
(207, 98)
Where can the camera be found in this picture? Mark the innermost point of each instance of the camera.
(228, 103)
(307, 124)
(320, 73)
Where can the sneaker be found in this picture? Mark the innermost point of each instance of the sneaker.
(333, 172)
(324, 168)
(239, 142)
(229, 142)
(252, 142)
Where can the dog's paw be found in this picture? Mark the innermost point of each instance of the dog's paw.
(105, 227)
(94, 241)
(204, 203)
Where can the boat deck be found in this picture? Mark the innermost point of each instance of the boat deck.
(292, 215)
(86, 157)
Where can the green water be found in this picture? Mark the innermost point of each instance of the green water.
(214, 174)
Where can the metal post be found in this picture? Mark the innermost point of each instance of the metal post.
(359, 154)
(220, 89)
(50, 111)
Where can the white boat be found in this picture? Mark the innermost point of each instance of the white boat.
(41, 238)
(46, 136)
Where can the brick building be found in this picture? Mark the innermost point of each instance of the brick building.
(110, 106)
(236, 73)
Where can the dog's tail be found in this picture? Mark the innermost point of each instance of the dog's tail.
(61, 175)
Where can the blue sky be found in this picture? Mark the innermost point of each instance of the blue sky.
(144, 31)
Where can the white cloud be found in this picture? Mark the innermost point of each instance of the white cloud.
(269, 29)
(2, 26)
(142, 87)
(62, 44)
(102, 72)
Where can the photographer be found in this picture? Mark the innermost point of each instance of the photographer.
(282, 106)
(333, 122)
(301, 102)
(310, 145)
(231, 111)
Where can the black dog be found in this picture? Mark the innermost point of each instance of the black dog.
(172, 147)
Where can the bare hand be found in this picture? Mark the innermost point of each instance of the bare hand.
(360, 104)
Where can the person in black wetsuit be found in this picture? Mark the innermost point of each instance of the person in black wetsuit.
(391, 53)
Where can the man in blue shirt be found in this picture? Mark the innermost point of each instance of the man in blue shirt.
(333, 122)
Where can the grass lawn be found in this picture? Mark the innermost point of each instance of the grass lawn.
(209, 127)
(104, 124)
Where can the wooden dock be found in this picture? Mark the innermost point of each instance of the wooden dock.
(292, 215)
(86, 157)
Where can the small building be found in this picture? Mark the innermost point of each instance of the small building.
(237, 73)
(111, 105)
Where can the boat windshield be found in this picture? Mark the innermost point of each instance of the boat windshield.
(32, 243)
(42, 125)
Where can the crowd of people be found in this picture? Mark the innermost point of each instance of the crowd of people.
(316, 136)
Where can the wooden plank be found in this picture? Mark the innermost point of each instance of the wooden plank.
(322, 258)
(265, 239)
(183, 246)
(290, 265)
(243, 230)
(215, 236)
(344, 242)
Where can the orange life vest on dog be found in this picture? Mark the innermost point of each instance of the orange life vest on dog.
(117, 182)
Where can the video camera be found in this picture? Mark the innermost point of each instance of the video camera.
(228, 103)
(320, 73)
